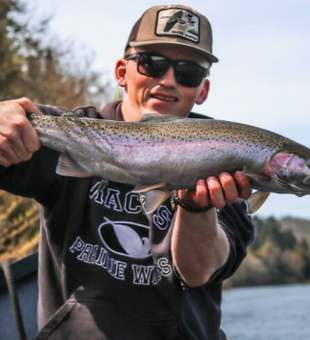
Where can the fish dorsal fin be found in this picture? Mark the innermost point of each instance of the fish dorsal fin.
(68, 166)
(158, 118)
(256, 200)
(151, 200)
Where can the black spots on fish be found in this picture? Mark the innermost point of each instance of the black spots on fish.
(156, 139)
(82, 129)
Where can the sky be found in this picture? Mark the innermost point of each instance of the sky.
(262, 78)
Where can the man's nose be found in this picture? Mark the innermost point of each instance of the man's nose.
(168, 79)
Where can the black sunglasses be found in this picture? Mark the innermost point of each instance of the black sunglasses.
(153, 65)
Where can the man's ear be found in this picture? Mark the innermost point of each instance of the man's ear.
(203, 95)
(120, 72)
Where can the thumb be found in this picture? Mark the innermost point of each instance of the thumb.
(28, 105)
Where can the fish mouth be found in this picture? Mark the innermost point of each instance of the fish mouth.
(298, 166)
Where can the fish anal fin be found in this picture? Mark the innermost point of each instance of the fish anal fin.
(68, 166)
(256, 200)
(148, 187)
(153, 199)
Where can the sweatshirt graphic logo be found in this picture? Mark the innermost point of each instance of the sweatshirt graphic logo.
(178, 22)
(125, 238)
(121, 248)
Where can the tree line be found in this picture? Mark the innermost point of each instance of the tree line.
(279, 255)
(35, 63)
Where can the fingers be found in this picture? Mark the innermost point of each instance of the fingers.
(18, 139)
(11, 152)
(217, 196)
(228, 188)
(197, 197)
(243, 184)
(218, 191)
(27, 105)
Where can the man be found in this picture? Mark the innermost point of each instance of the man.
(108, 271)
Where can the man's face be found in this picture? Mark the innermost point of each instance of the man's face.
(160, 95)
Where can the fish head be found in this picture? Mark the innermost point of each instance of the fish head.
(291, 173)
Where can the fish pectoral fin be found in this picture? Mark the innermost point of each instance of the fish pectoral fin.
(256, 200)
(250, 173)
(68, 166)
(153, 199)
(157, 118)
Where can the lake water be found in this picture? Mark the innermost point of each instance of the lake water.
(267, 313)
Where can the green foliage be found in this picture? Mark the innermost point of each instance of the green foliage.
(279, 254)
(10, 62)
(270, 229)
(19, 227)
(46, 72)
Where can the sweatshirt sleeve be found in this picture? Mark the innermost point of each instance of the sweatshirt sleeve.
(240, 230)
(35, 178)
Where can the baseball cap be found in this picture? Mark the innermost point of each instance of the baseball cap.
(173, 24)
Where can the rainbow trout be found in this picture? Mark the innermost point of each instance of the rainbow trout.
(163, 153)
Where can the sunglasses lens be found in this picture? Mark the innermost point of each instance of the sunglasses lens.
(152, 65)
(189, 74)
(186, 73)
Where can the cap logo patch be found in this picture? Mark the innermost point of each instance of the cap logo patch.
(177, 22)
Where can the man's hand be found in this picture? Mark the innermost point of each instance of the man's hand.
(199, 244)
(18, 139)
(218, 191)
